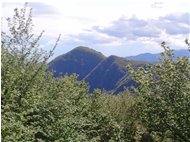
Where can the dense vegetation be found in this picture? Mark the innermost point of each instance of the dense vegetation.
(38, 107)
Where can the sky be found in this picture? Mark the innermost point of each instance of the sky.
(113, 27)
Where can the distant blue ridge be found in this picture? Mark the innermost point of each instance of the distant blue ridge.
(153, 58)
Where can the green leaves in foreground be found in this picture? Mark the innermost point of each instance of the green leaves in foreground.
(38, 107)
(35, 105)
(165, 98)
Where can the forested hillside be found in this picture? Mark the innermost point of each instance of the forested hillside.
(110, 74)
(81, 61)
(36, 106)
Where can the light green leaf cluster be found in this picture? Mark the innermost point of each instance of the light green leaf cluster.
(35, 105)
(38, 107)
(164, 94)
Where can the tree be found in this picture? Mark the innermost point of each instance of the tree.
(35, 105)
(164, 92)
(23, 75)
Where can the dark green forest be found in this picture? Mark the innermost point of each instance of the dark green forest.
(36, 106)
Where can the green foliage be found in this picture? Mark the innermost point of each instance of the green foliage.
(121, 109)
(164, 97)
(23, 76)
(38, 107)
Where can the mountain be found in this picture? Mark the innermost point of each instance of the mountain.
(153, 58)
(110, 73)
(80, 60)
(182, 52)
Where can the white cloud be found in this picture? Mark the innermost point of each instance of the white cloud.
(136, 23)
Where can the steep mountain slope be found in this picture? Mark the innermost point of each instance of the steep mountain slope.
(80, 60)
(153, 58)
(111, 74)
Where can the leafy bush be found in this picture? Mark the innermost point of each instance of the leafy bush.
(38, 107)
(164, 94)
